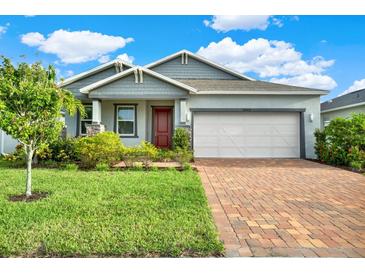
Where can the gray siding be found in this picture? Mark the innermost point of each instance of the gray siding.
(345, 113)
(144, 119)
(127, 88)
(108, 118)
(309, 102)
(75, 86)
(193, 70)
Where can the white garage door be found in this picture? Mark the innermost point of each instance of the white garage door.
(246, 134)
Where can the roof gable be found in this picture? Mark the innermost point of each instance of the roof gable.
(95, 74)
(186, 65)
(139, 76)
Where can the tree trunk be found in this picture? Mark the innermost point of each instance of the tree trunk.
(28, 190)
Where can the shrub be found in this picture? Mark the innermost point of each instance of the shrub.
(64, 150)
(342, 142)
(187, 166)
(320, 146)
(145, 152)
(138, 166)
(61, 150)
(50, 164)
(181, 139)
(71, 167)
(17, 158)
(165, 155)
(44, 153)
(130, 156)
(104, 147)
(183, 156)
(102, 167)
(356, 165)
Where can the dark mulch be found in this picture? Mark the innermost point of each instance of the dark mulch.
(23, 198)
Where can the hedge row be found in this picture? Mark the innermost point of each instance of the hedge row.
(106, 149)
(342, 142)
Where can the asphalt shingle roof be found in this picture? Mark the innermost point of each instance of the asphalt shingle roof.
(240, 85)
(354, 97)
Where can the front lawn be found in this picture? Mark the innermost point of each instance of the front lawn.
(126, 213)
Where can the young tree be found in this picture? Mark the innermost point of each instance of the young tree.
(31, 105)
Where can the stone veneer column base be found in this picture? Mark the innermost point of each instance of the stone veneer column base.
(94, 128)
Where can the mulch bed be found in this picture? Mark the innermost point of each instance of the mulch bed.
(341, 167)
(23, 198)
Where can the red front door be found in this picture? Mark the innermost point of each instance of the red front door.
(162, 127)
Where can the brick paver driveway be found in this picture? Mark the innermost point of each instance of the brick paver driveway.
(286, 207)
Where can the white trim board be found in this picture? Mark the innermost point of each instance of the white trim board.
(138, 69)
(200, 58)
(343, 107)
(264, 92)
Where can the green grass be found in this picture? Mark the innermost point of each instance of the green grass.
(117, 214)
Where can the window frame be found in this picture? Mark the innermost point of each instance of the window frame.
(85, 120)
(116, 119)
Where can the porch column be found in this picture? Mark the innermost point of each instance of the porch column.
(183, 111)
(96, 126)
(96, 111)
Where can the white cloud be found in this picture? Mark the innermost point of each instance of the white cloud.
(126, 58)
(33, 39)
(4, 29)
(73, 47)
(356, 85)
(65, 74)
(309, 80)
(277, 22)
(224, 23)
(69, 73)
(104, 59)
(270, 58)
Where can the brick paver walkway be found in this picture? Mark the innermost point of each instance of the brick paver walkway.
(286, 207)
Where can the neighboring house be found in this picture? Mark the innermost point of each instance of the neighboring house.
(343, 106)
(229, 114)
(7, 143)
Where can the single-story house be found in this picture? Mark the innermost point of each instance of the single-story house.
(228, 114)
(343, 106)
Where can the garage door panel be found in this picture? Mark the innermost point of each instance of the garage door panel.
(246, 135)
(203, 141)
(207, 151)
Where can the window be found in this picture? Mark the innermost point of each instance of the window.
(126, 120)
(87, 120)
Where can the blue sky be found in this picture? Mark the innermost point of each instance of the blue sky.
(317, 51)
